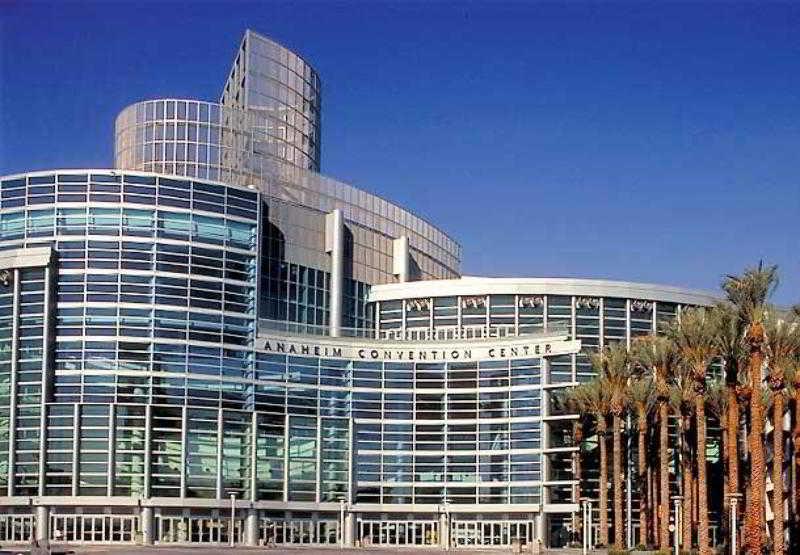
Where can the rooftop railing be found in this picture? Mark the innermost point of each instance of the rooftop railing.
(450, 334)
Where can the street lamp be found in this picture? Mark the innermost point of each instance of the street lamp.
(446, 530)
(233, 519)
(586, 506)
(342, 505)
(676, 501)
(733, 499)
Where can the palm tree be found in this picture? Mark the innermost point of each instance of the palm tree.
(658, 353)
(730, 349)
(783, 346)
(682, 397)
(793, 391)
(571, 404)
(717, 407)
(642, 396)
(749, 293)
(612, 364)
(694, 339)
(593, 398)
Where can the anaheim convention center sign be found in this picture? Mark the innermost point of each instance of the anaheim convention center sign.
(406, 351)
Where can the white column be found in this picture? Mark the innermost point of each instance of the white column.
(540, 527)
(348, 529)
(112, 449)
(76, 441)
(318, 487)
(286, 436)
(351, 454)
(220, 438)
(146, 524)
(334, 245)
(42, 524)
(401, 259)
(443, 535)
(184, 443)
(251, 528)
(47, 375)
(12, 420)
(148, 416)
(254, 457)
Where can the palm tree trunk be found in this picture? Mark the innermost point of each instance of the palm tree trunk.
(702, 486)
(577, 434)
(688, 488)
(603, 509)
(777, 473)
(754, 522)
(652, 499)
(796, 438)
(686, 508)
(663, 467)
(726, 508)
(732, 445)
(643, 483)
(617, 456)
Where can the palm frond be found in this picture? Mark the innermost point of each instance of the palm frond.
(783, 346)
(750, 291)
(695, 341)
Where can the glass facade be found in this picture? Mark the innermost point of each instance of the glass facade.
(595, 312)
(193, 139)
(135, 370)
(214, 343)
(595, 320)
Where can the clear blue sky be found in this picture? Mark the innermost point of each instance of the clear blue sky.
(651, 142)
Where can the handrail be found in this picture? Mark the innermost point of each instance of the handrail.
(449, 334)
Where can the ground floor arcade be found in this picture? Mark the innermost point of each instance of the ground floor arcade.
(153, 525)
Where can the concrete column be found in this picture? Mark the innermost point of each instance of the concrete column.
(334, 245)
(184, 449)
(401, 259)
(47, 374)
(540, 527)
(43, 524)
(254, 457)
(251, 528)
(349, 529)
(146, 524)
(220, 439)
(444, 532)
(12, 420)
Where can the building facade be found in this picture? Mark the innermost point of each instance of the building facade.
(214, 343)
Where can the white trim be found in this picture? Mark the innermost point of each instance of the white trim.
(540, 286)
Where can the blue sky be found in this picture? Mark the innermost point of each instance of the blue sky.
(640, 141)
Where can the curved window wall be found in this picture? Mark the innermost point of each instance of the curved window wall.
(596, 321)
(281, 91)
(209, 141)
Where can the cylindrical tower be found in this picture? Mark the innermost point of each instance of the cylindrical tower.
(186, 137)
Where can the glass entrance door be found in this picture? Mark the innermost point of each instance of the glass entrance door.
(487, 533)
(398, 533)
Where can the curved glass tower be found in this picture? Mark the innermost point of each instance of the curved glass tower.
(281, 93)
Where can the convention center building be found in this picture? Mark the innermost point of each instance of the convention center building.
(213, 343)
